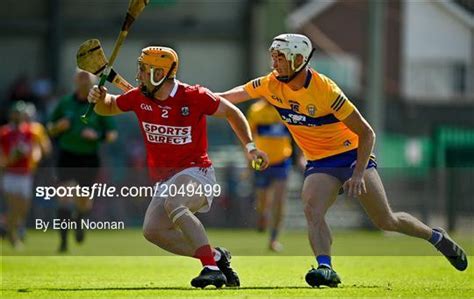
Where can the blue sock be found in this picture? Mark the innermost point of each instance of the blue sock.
(324, 260)
(436, 236)
(273, 234)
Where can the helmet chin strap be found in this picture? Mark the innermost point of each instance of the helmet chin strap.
(158, 84)
(287, 79)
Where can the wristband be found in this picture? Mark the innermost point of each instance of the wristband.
(250, 146)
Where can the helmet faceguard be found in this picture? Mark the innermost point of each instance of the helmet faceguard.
(292, 45)
(157, 58)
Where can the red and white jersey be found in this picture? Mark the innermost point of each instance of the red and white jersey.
(17, 143)
(174, 130)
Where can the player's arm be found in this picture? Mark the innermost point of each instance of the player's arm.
(111, 136)
(58, 122)
(41, 143)
(357, 124)
(241, 127)
(58, 127)
(36, 153)
(105, 103)
(43, 140)
(236, 95)
(110, 129)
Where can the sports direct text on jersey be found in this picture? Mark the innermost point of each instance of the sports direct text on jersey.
(167, 134)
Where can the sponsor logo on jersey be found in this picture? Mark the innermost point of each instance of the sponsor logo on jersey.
(185, 111)
(146, 107)
(156, 133)
(294, 118)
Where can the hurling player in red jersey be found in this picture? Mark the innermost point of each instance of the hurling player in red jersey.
(18, 146)
(172, 118)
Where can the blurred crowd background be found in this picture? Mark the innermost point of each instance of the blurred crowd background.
(407, 64)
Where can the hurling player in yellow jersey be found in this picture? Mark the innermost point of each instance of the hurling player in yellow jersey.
(337, 143)
(272, 137)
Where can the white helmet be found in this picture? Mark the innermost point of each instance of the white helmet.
(290, 45)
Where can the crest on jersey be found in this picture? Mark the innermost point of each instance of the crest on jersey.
(185, 111)
(294, 105)
(311, 109)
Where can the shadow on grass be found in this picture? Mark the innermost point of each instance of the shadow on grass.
(187, 288)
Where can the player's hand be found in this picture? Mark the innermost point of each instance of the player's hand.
(63, 124)
(258, 159)
(355, 186)
(89, 134)
(97, 94)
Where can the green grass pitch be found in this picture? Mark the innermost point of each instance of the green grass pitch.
(123, 264)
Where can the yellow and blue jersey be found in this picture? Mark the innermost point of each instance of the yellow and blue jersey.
(269, 132)
(312, 114)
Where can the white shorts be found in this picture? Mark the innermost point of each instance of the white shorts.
(205, 176)
(18, 184)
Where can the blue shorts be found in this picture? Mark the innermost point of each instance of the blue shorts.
(277, 172)
(339, 166)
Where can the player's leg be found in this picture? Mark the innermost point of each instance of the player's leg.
(183, 233)
(24, 208)
(25, 185)
(279, 191)
(376, 205)
(16, 188)
(166, 219)
(180, 210)
(87, 170)
(159, 230)
(261, 207)
(8, 186)
(13, 217)
(279, 177)
(64, 213)
(262, 203)
(65, 173)
(83, 206)
(319, 193)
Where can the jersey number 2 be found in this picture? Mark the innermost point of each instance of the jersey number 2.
(164, 113)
